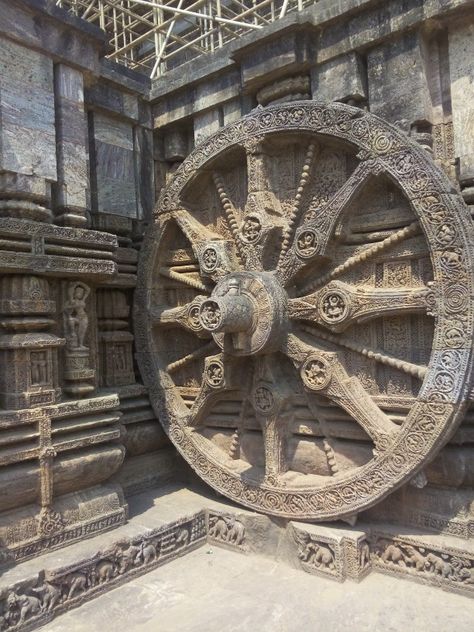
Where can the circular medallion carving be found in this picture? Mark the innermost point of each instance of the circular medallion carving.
(263, 400)
(306, 243)
(333, 306)
(214, 373)
(210, 315)
(251, 229)
(281, 328)
(316, 373)
(210, 259)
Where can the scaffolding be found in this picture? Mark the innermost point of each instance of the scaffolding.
(154, 37)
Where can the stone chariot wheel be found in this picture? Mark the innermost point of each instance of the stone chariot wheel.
(304, 310)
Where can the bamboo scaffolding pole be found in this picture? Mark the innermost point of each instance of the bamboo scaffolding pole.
(141, 36)
(149, 33)
(197, 15)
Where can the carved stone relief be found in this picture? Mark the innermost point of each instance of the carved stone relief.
(304, 315)
(226, 529)
(116, 359)
(76, 325)
(35, 601)
(450, 568)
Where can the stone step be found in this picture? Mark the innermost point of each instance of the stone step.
(168, 522)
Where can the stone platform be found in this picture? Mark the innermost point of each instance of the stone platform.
(213, 590)
(170, 522)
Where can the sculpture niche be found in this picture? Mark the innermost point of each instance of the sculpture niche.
(304, 311)
(76, 324)
(76, 318)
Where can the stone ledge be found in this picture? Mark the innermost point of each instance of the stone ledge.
(321, 18)
(168, 522)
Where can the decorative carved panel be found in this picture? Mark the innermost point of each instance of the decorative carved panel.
(304, 310)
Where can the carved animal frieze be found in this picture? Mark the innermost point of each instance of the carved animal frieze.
(452, 568)
(318, 554)
(226, 529)
(36, 601)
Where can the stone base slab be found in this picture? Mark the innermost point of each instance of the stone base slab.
(168, 522)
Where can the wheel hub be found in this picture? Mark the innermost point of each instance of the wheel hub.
(247, 313)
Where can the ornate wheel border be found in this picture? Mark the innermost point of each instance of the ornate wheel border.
(444, 392)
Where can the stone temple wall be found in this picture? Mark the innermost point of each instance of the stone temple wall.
(86, 147)
(77, 432)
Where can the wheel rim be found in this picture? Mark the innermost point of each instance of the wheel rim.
(278, 269)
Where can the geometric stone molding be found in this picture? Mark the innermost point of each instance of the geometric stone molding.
(31, 247)
(55, 487)
(304, 310)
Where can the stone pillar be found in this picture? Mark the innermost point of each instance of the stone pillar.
(397, 82)
(72, 189)
(28, 354)
(340, 79)
(205, 124)
(112, 156)
(27, 133)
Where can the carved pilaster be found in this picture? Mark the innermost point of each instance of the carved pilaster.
(115, 341)
(72, 190)
(28, 354)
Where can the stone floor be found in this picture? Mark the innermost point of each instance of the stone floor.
(215, 590)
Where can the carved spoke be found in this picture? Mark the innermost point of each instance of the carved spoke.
(372, 251)
(180, 277)
(229, 211)
(340, 305)
(323, 372)
(219, 376)
(216, 256)
(258, 224)
(191, 357)
(186, 316)
(312, 237)
(350, 395)
(318, 413)
(409, 368)
(271, 401)
(193, 229)
(288, 235)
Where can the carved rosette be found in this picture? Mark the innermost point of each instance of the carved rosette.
(312, 301)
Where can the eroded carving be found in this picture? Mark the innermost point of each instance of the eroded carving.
(314, 260)
(76, 318)
(226, 529)
(450, 567)
(38, 599)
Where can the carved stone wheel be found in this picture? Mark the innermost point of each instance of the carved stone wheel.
(304, 311)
